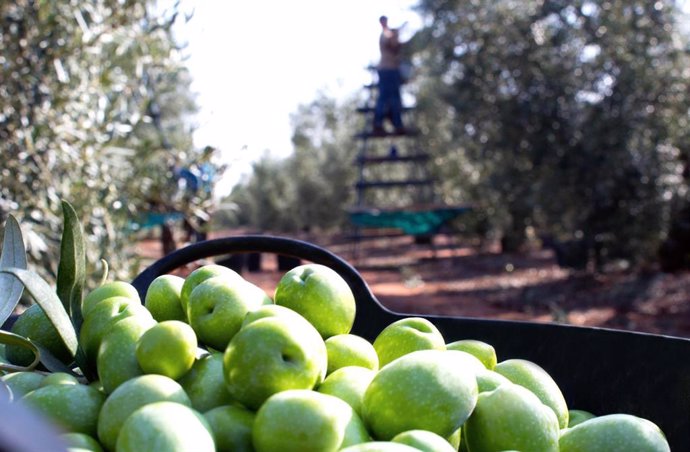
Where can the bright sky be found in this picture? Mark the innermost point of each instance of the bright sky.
(254, 62)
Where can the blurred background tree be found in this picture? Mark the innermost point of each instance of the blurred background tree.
(569, 116)
(310, 188)
(95, 106)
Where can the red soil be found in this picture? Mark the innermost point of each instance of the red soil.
(462, 280)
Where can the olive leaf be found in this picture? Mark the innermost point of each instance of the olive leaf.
(71, 274)
(52, 363)
(41, 354)
(46, 297)
(104, 276)
(8, 338)
(13, 255)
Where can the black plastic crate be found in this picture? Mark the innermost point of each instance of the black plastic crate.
(599, 370)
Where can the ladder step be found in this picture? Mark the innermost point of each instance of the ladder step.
(411, 209)
(367, 109)
(420, 157)
(364, 135)
(376, 85)
(391, 184)
(375, 233)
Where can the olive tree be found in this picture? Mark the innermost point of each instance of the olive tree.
(94, 109)
(562, 116)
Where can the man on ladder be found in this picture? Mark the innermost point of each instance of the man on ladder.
(389, 102)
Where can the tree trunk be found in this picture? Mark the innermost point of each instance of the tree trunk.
(167, 238)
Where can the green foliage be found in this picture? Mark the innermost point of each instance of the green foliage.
(565, 116)
(71, 275)
(93, 108)
(62, 306)
(13, 255)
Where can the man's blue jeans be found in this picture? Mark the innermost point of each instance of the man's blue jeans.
(389, 102)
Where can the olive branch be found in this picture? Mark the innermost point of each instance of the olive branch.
(61, 305)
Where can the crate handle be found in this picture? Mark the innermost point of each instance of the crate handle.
(367, 304)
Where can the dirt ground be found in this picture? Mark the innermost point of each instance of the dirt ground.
(459, 279)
